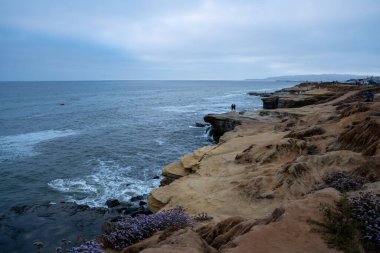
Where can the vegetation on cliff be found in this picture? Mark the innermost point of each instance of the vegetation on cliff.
(353, 224)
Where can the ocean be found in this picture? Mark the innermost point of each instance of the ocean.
(89, 141)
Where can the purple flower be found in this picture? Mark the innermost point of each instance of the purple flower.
(87, 247)
(366, 210)
(129, 230)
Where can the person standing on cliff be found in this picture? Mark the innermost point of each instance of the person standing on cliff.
(232, 107)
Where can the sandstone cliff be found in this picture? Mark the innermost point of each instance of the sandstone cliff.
(258, 181)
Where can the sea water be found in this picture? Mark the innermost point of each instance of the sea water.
(90, 141)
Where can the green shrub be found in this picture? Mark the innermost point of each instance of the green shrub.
(352, 225)
(337, 227)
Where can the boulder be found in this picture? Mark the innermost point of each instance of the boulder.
(190, 162)
(137, 198)
(175, 171)
(112, 203)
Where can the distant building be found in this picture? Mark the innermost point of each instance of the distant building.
(373, 80)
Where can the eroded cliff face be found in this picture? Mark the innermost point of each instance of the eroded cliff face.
(286, 229)
(273, 160)
(222, 123)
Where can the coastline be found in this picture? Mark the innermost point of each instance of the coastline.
(274, 158)
(255, 186)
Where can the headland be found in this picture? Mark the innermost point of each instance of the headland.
(261, 181)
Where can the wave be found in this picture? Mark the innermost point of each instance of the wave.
(108, 180)
(224, 97)
(16, 146)
(179, 109)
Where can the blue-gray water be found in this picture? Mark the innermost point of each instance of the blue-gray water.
(91, 141)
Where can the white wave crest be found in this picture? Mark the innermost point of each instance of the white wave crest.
(108, 180)
(15, 146)
(179, 109)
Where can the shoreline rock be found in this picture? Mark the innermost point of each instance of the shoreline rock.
(223, 123)
(269, 159)
(49, 223)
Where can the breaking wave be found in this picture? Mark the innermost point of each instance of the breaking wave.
(108, 180)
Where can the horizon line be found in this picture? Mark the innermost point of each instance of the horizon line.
(246, 79)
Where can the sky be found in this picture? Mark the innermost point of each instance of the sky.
(187, 40)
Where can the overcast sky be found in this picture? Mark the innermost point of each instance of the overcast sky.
(192, 39)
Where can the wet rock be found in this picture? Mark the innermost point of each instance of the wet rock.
(156, 177)
(125, 208)
(137, 198)
(21, 226)
(141, 211)
(112, 203)
(197, 124)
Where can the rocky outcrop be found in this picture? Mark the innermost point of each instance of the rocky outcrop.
(172, 172)
(187, 165)
(351, 109)
(275, 160)
(222, 123)
(363, 137)
(297, 97)
(270, 102)
(299, 100)
(284, 230)
(220, 236)
(304, 133)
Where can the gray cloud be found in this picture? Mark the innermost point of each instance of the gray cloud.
(213, 39)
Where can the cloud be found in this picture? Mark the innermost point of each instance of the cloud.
(280, 36)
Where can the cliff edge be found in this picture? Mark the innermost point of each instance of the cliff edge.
(258, 183)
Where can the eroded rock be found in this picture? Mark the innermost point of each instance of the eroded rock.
(222, 123)
(363, 137)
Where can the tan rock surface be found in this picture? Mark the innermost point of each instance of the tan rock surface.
(175, 171)
(291, 234)
(275, 158)
(182, 241)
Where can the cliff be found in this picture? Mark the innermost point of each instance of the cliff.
(267, 161)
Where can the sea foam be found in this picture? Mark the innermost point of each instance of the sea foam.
(16, 146)
(107, 180)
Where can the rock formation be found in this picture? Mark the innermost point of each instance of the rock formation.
(222, 123)
(258, 181)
